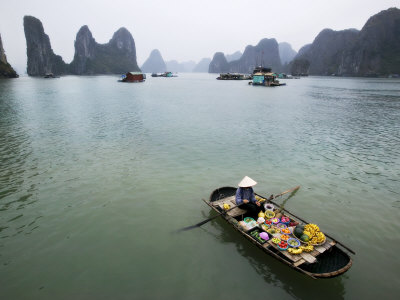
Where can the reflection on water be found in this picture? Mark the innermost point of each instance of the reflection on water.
(17, 191)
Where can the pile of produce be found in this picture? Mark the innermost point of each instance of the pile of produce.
(264, 227)
(283, 245)
(295, 250)
(273, 230)
(285, 237)
(293, 242)
(309, 234)
(276, 240)
(301, 249)
(255, 234)
(285, 219)
(316, 236)
(269, 214)
(308, 248)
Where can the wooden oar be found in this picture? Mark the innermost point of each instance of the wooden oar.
(225, 211)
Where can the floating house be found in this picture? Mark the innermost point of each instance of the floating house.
(133, 77)
(264, 76)
(234, 76)
(165, 74)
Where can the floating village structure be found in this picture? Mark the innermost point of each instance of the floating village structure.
(133, 77)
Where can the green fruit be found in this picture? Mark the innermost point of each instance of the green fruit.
(298, 230)
(305, 238)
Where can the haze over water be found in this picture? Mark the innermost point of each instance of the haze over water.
(96, 174)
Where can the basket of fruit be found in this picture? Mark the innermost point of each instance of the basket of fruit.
(276, 240)
(281, 225)
(250, 223)
(275, 220)
(310, 234)
(285, 220)
(248, 220)
(292, 242)
(273, 230)
(269, 214)
(286, 230)
(285, 237)
(265, 227)
(282, 245)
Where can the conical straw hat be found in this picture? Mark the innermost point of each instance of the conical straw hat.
(246, 182)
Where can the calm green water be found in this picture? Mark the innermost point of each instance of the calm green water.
(96, 174)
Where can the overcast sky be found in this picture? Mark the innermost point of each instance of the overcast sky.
(181, 29)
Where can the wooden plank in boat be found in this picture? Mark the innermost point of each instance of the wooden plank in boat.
(315, 253)
(308, 257)
(266, 245)
(329, 245)
(320, 249)
(299, 262)
(232, 202)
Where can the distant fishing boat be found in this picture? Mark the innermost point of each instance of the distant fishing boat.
(264, 77)
(234, 76)
(165, 74)
(133, 77)
(50, 75)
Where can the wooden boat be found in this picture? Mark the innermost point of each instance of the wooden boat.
(325, 261)
(165, 74)
(50, 75)
(264, 77)
(133, 77)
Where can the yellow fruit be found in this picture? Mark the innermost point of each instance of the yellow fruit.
(226, 206)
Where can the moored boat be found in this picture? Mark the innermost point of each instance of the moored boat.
(50, 75)
(133, 77)
(234, 76)
(327, 259)
(165, 74)
(264, 77)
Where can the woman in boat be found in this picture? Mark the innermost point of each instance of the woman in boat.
(245, 196)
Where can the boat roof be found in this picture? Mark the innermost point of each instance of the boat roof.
(263, 74)
(135, 73)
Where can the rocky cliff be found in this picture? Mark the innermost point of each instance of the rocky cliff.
(6, 71)
(286, 53)
(218, 64)
(265, 53)
(234, 56)
(202, 66)
(116, 57)
(175, 66)
(41, 58)
(376, 50)
(373, 51)
(155, 63)
(325, 53)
